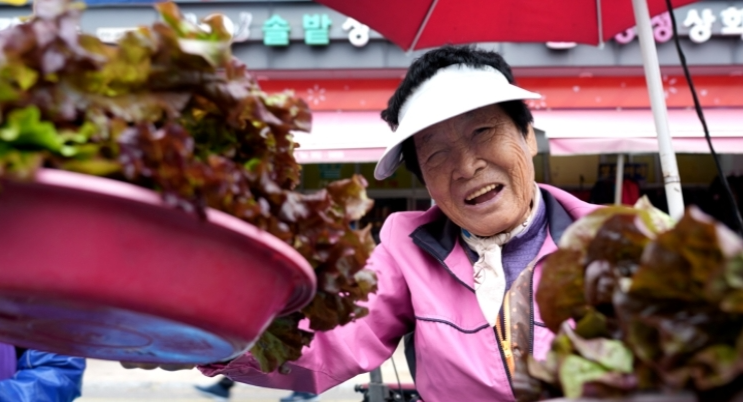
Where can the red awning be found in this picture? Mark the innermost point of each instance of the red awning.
(576, 132)
(566, 92)
(343, 137)
(349, 137)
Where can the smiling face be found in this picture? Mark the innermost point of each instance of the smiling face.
(478, 168)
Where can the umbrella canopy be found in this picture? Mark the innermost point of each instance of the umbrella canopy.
(420, 24)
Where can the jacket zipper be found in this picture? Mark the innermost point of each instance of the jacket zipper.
(505, 346)
(503, 329)
(504, 358)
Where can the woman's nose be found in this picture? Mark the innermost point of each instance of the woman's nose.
(467, 164)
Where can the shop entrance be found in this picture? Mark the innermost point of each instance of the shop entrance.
(400, 192)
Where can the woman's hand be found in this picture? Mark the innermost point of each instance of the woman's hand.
(152, 366)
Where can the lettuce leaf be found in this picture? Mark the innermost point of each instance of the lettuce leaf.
(640, 303)
(168, 108)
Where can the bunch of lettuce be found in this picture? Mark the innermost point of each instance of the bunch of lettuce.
(168, 108)
(640, 304)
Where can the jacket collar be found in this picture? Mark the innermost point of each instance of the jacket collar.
(440, 239)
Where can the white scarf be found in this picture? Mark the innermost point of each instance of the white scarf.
(490, 280)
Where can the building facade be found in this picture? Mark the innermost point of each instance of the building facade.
(594, 106)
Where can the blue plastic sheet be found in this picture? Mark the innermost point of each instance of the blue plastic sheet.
(44, 377)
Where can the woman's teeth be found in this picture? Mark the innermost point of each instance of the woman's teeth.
(481, 192)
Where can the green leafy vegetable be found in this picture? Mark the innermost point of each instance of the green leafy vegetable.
(655, 306)
(168, 108)
(576, 371)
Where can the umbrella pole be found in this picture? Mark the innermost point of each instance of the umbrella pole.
(660, 112)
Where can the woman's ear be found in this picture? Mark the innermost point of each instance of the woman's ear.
(531, 141)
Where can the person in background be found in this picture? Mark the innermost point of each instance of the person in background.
(221, 391)
(301, 397)
(33, 376)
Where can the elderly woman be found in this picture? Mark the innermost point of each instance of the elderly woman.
(461, 276)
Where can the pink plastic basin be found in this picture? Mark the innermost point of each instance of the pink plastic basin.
(98, 268)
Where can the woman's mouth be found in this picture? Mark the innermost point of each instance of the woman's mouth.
(486, 193)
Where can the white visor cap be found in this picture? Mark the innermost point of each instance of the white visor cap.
(453, 90)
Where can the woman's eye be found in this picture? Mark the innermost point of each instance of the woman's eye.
(483, 134)
(436, 158)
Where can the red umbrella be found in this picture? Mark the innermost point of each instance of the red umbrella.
(420, 24)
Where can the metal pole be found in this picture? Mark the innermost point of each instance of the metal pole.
(422, 26)
(600, 23)
(378, 392)
(619, 180)
(660, 113)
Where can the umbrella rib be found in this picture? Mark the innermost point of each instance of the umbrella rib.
(601, 23)
(423, 25)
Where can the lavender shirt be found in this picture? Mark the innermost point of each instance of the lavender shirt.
(523, 248)
(8, 361)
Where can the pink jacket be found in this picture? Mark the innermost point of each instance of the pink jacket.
(425, 286)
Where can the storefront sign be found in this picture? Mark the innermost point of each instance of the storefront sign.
(732, 21)
(358, 33)
(276, 30)
(316, 28)
(662, 30)
(701, 25)
(282, 25)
